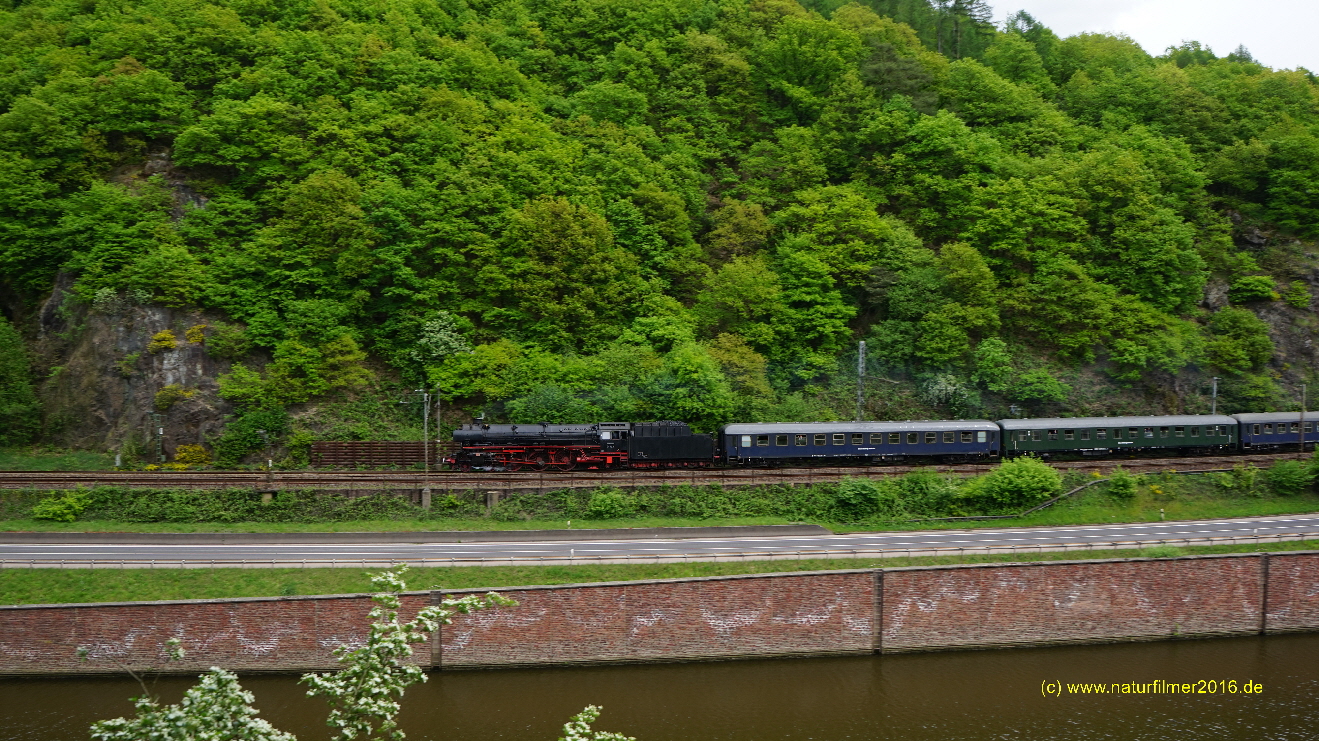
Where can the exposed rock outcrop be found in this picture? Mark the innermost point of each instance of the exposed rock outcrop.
(104, 377)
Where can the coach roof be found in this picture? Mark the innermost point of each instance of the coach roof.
(1275, 417)
(1089, 422)
(926, 425)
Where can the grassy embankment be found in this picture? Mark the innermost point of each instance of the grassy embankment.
(42, 459)
(1164, 496)
(47, 586)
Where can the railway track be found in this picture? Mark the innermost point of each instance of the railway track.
(367, 481)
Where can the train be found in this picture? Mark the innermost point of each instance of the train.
(672, 444)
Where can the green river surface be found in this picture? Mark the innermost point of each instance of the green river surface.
(995, 694)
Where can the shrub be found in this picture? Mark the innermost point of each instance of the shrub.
(927, 494)
(1289, 478)
(855, 499)
(127, 364)
(1240, 340)
(171, 395)
(1242, 479)
(20, 411)
(1161, 551)
(1297, 295)
(608, 503)
(507, 510)
(553, 404)
(64, 508)
(228, 342)
(192, 455)
(162, 340)
(1122, 485)
(1252, 288)
(1019, 482)
(242, 435)
(196, 334)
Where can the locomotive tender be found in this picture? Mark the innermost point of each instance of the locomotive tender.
(669, 444)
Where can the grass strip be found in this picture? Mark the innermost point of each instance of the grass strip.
(50, 586)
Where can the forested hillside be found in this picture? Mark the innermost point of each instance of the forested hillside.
(681, 209)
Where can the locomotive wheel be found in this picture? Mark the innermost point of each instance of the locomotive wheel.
(539, 463)
(565, 462)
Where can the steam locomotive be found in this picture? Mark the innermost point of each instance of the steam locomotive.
(669, 444)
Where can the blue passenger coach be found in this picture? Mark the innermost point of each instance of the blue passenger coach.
(1276, 429)
(858, 442)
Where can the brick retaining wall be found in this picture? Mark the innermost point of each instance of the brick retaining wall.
(1076, 602)
(721, 617)
(269, 634)
(796, 614)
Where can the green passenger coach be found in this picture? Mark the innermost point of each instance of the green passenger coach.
(1109, 435)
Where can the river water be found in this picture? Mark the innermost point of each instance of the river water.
(999, 694)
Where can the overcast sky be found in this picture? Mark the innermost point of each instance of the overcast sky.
(1278, 33)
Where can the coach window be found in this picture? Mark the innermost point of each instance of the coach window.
(1035, 435)
(858, 438)
(876, 438)
(1149, 432)
(931, 438)
(895, 438)
(1163, 432)
(799, 439)
(762, 441)
(913, 438)
(1085, 434)
(950, 437)
(1053, 434)
(780, 440)
(820, 439)
(1309, 427)
(966, 437)
(1134, 432)
(980, 436)
(1179, 432)
(1257, 429)
(1296, 427)
(1195, 431)
(1069, 434)
(746, 441)
(1101, 433)
(840, 438)
(1268, 429)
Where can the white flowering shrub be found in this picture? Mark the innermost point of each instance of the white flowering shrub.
(579, 728)
(216, 709)
(439, 337)
(363, 695)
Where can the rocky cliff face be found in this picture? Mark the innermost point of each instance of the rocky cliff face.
(106, 376)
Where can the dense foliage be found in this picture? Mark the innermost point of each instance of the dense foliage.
(19, 409)
(677, 208)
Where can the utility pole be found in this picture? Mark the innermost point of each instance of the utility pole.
(1302, 418)
(425, 443)
(860, 379)
(1213, 403)
(426, 431)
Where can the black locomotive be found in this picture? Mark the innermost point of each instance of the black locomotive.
(543, 446)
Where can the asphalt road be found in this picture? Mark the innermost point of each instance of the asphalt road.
(703, 549)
